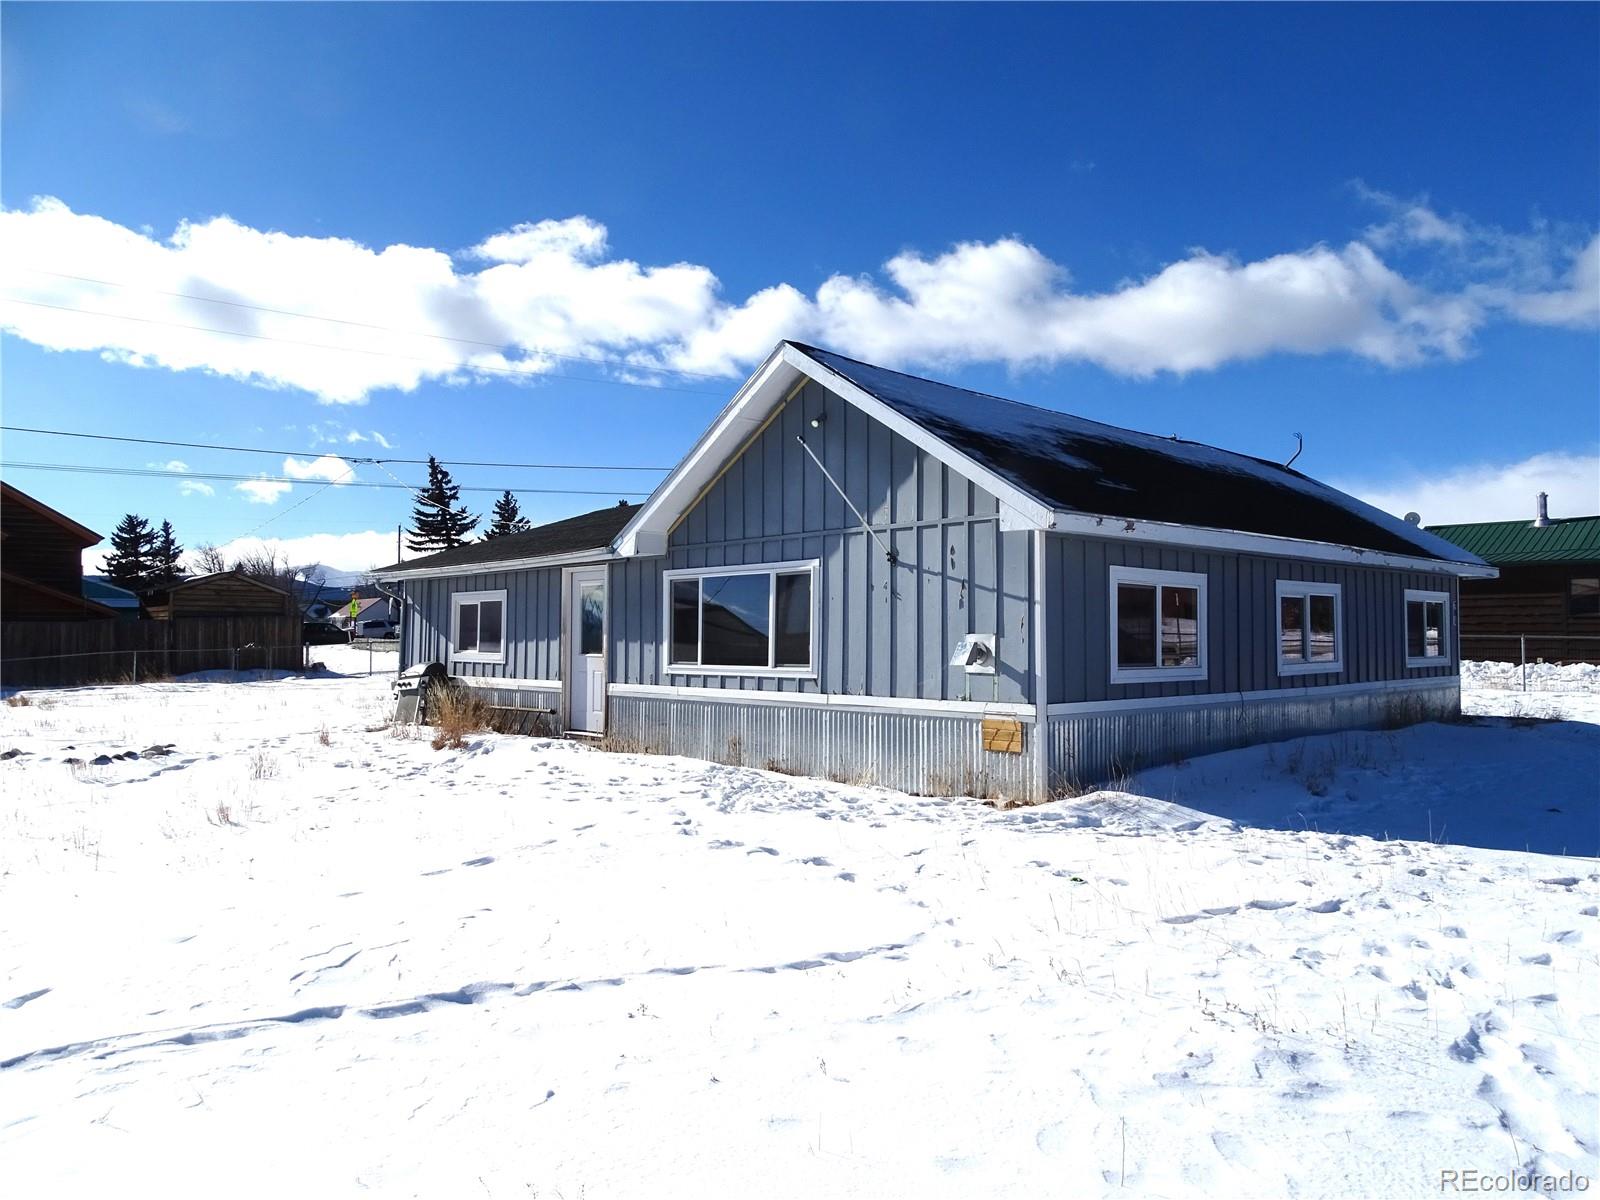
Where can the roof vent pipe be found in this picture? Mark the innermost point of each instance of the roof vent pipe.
(1543, 519)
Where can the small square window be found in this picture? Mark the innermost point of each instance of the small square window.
(1427, 634)
(1309, 638)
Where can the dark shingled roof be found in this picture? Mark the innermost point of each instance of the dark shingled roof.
(1565, 539)
(1077, 465)
(587, 531)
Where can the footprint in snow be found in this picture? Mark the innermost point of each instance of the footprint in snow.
(1327, 906)
(762, 850)
(1270, 905)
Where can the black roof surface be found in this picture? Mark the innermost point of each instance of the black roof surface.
(587, 531)
(1077, 465)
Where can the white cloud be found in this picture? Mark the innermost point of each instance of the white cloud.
(175, 465)
(355, 435)
(1492, 491)
(339, 551)
(1416, 287)
(263, 491)
(381, 440)
(195, 487)
(329, 467)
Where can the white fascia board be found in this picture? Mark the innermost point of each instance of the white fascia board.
(489, 568)
(953, 708)
(1140, 530)
(752, 404)
(1027, 512)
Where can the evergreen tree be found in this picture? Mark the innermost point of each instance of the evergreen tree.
(166, 558)
(133, 544)
(439, 521)
(508, 518)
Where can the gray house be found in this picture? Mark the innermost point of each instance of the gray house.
(864, 575)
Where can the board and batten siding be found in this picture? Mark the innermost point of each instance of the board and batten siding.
(1242, 619)
(532, 622)
(884, 629)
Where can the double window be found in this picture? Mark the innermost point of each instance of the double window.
(478, 627)
(742, 620)
(1427, 628)
(1158, 625)
(1310, 637)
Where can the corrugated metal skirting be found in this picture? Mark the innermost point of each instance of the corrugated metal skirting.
(1098, 747)
(526, 699)
(930, 754)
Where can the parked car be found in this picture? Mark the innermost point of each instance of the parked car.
(322, 633)
(377, 627)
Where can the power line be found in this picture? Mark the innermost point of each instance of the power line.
(419, 462)
(157, 473)
(263, 337)
(443, 337)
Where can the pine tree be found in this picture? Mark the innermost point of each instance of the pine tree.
(166, 558)
(439, 521)
(132, 545)
(508, 518)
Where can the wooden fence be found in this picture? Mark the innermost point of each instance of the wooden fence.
(63, 653)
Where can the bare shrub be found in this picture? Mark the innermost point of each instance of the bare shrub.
(19, 701)
(1400, 711)
(263, 766)
(615, 743)
(456, 712)
(323, 739)
(221, 815)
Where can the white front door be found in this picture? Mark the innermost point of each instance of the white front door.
(586, 650)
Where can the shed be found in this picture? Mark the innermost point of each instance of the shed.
(858, 573)
(222, 594)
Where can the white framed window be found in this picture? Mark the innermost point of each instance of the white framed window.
(1158, 625)
(478, 627)
(1310, 627)
(1427, 628)
(746, 620)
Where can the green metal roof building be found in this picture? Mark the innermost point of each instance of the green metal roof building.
(1547, 597)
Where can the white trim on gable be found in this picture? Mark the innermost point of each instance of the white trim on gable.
(746, 414)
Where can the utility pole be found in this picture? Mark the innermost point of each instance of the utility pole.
(397, 555)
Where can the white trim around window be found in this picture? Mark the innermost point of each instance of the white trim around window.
(810, 568)
(1304, 662)
(1443, 658)
(478, 651)
(1161, 582)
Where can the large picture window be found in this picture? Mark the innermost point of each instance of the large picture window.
(1427, 628)
(1158, 625)
(478, 627)
(1310, 627)
(742, 620)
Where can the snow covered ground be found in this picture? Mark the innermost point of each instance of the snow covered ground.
(300, 955)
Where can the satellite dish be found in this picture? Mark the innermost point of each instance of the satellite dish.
(1413, 518)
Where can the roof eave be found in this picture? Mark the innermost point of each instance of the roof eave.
(571, 558)
(1140, 530)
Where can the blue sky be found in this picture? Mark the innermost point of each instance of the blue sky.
(1372, 225)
